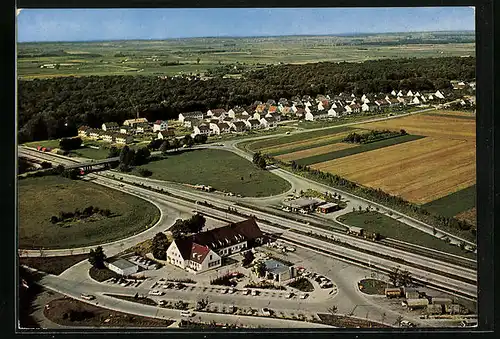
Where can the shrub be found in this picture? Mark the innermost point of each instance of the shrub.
(145, 172)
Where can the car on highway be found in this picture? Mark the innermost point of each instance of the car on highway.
(266, 311)
(156, 292)
(255, 292)
(287, 132)
(187, 314)
(304, 296)
(224, 291)
(289, 295)
(87, 296)
(162, 303)
(246, 292)
(290, 249)
(406, 323)
(231, 290)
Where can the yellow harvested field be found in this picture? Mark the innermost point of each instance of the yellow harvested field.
(462, 114)
(314, 151)
(435, 126)
(469, 216)
(419, 171)
(308, 142)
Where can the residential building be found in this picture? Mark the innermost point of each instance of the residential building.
(160, 125)
(143, 128)
(219, 113)
(170, 132)
(108, 136)
(233, 112)
(279, 271)
(260, 108)
(191, 122)
(201, 129)
(83, 131)
(95, 134)
(268, 122)
(334, 112)
(124, 139)
(238, 126)
(125, 129)
(110, 126)
(316, 115)
(133, 122)
(219, 128)
(192, 115)
(409, 93)
(439, 94)
(271, 102)
(253, 123)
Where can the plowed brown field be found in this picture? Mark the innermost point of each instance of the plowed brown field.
(445, 127)
(419, 171)
(469, 216)
(314, 151)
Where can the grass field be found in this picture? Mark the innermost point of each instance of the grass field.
(419, 171)
(53, 265)
(91, 153)
(41, 198)
(146, 57)
(222, 170)
(455, 203)
(391, 228)
(323, 160)
(373, 286)
(294, 141)
(44, 143)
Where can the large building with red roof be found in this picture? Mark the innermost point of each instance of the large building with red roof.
(204, 251)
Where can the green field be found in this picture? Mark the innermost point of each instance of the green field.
(358, 149)
(91, 153)
(146, 57)
(44, 143)
(453, 204)
(282, 140)
(222, 170)
(41, 198)
(391, 228)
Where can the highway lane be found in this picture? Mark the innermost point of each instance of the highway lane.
(359, 242)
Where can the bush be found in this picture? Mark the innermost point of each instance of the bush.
(145, 172)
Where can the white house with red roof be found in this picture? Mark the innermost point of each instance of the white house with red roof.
(160, 125)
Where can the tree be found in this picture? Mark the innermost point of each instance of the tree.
(145, 172)
(188, 140)
(97, 257)
(155, 144)
(394, 276)
(200, 138)
(69, 144)
(248, 257)
(123, 154)
(196, 223)
(202, 303)
(176, 144)
(159, 246)
(71, 173)
(198, 60)
(165, 146)
(333, 309)
(54, 219)
(259, 269)
(46, 165)
(262, 163)
(405, 278)
(142, 156)
(398, 321)
(113, 152)
(124, 167)
(256, 157)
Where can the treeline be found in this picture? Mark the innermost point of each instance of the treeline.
(54, 108)
(372, 136)
(80, 214)
(392, 201)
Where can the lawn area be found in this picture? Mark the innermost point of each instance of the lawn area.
(91, 153)
(222, 170)
(40, 198)
(356, 150)
(53, 265)
(391, 228)
(373, 286)
(71, 312)
(454, 203)
(44, 143)
(139, 300)
(348, 322)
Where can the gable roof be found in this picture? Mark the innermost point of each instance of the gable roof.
(198, 253)
(167, 133)
(254, 122)
(239, 124)
(218, 111)
(159, 122)
(229, 235)
(223, 126)
(111, 124)
(192, 114)
(203, 127)
(83, 128)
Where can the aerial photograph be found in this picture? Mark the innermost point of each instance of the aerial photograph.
(246, 168)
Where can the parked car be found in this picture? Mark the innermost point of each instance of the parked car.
(406, 323)
(255, 292)
(266, 311)
(187, 314)
(304, 296)
(289, 296)
(87, 296)
(231, 290)
(162, 303)
(290, 249)
(224, 291)
(246, 292)
(156, 292)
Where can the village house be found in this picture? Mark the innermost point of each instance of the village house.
(439, 95)
(108, 136)
(123, 139)
(402, 101)
(219, 128)
(400, 94)
(233, 112)
(160, 125)
(203, 251)
(83, 131)
(268, 122)
(227, 120)
(352, 108)
(259, 115)
(133, 122)
(242, 117)
(368, 107)
(286, 110)
(201, 129)
(191, 115)
(270, 102)
(300, 113)
(219, 113)
(382, 103)
(110, 126)
(253, 123)
(260, 108)
(393, 102)
(95, 134)
(191, 122)
(169, 132)
(143, 128)
(272, 109)
(125, 129)
(393, 93)
(334, 112)
(316, 115)
(415, 101)
(274, 115)
(409, 93)
(238, 126)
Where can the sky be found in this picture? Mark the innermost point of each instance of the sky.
(157, 24)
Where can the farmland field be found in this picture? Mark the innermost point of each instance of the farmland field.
(419, 171)
(314, 151)
(469, 216)
(321, 159)
(222, 170)
(149, 57)
(40, 198)
(455, 203)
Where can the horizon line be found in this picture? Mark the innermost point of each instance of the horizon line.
(250, 36)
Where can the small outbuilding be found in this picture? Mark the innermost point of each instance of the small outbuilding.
(278, 271)
(393, 292)
(355, 230)
(123, 267)
(303, 204)
(417, 303)
(327, 208)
